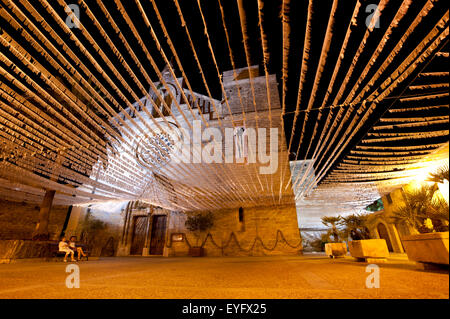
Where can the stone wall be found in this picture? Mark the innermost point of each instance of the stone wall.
(13, 250)
(264, 231)
(99, 229)
(395, 231)
(246, 90)
(18, 220)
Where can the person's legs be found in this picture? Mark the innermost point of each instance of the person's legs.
(82, 252)
(65, 257)
(72, 255)
(79, 253)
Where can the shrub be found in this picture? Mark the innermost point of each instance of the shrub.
(199, 223)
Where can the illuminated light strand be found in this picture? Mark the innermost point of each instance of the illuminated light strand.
(407, 137)
(412, 119)
(400, 15)
(141, 43)
(243, 26)
(286, 33)
(421, 108)
(320, 69)
(333, 79)
(338, 119)
(219, 76)
(304, 68)
(318, 75)
(233, 64)
(352, 23)
(408, 125)
(302, 80)
(423, 51)
(424, 152)
(266, 59)
(130, 23)
(322, 143)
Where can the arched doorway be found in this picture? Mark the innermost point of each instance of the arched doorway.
(383, 233)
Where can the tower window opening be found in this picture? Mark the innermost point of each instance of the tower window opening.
(241, 215)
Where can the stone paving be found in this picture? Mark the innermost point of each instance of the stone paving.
(308, 276)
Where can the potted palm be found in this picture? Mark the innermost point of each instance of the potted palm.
(361, 246)
(199, 224)
(426, 212)
(336, 247)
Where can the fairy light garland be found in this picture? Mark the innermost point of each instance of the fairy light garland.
(51, 131)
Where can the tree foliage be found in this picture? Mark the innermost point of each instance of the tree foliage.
(440, 175)
(199, 223)
(375, 206)
(419, 205)
(332, 222)
(318, 243)
(355, 226)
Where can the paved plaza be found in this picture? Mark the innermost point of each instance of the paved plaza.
(308, 276)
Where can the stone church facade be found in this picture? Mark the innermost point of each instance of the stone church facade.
(263, 227)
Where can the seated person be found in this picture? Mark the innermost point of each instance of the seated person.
(79, 249)
(63, 246)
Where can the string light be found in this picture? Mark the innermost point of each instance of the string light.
(65, 119)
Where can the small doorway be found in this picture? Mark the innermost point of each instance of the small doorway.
(383, 233)
(139, 235)
(158, 235)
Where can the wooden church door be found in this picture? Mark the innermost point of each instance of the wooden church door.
(158, 235)
(139, 235)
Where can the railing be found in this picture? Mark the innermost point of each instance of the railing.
(202, 102)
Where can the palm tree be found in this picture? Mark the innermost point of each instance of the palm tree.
(439, 206)
(355, 226)
(440, 210)
(440, 175)
(416, 207)
(332, 221)
(421, 204)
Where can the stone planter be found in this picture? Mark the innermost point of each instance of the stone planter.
(334, 250)
(196, 252)
(369, 250)
(427, 248)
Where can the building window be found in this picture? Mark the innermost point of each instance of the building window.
(241, 215)
(241, 219)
